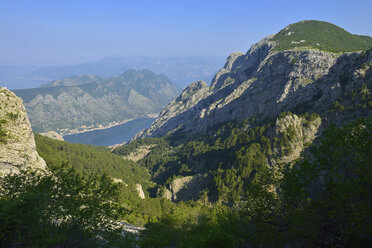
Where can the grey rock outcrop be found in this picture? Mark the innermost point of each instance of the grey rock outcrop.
(175, 187)
(184, 188)
(53, 135)
(300, 131)
(17, 146)
(141, 194)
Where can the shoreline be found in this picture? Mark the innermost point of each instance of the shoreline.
(84, 129)
(111, 136)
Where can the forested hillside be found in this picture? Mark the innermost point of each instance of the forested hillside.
(90, 159)
(320, 200)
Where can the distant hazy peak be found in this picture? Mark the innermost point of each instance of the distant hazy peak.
(133, 94)
(73, 80)
(137, 71)
(143, 72)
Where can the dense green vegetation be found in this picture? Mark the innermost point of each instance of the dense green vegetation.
(329, 194)
(92, 159)
(322, 200)
(245, 202)
(59, 209)
(320, 35)
(100, 160)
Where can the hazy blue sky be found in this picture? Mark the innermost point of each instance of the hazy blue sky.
(51, 32)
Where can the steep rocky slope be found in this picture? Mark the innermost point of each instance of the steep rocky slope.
(17, 144)
(276, 74)
(84, 101)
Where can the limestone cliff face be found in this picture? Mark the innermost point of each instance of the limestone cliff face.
(141, 194)
(17, 144)
(263, 83)
(176, 188)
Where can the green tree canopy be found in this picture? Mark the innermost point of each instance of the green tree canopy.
(59, 209)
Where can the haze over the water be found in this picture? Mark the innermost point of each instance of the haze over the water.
(66, 32)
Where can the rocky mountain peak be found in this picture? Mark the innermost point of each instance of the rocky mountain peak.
(275, 75)
(231, 59)
(238, 65)
(17, 144)
(189, 98)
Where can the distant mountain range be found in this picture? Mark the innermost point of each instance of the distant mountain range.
(91, 100)
(180, 69)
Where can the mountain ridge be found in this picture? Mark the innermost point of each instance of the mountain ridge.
(295, 77)
(73, 80)
(180, 69)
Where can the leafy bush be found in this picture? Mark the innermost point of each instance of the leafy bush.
(59, 209)
(193, 225)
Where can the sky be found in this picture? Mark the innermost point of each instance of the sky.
(44, 32)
